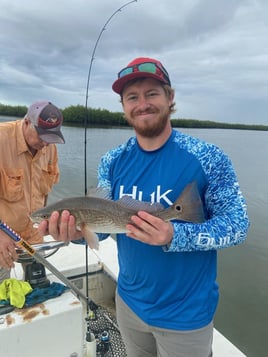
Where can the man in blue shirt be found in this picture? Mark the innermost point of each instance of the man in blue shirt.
(167, 290)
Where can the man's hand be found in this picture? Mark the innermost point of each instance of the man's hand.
(61, 228)
(150, 229)
(7, 252)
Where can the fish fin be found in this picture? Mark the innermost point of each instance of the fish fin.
(99, 192)
(189, 205)
(129, 202)
(90, 236)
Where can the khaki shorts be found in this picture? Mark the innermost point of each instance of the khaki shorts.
(143, 340)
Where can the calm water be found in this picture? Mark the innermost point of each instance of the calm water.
(242, 315)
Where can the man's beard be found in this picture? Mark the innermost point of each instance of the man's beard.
(149, 129)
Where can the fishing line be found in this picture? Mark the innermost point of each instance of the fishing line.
(87, 119)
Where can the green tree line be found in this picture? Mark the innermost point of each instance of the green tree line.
(79, 116)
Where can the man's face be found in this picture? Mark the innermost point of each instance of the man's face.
(147, 107)
(32, 138)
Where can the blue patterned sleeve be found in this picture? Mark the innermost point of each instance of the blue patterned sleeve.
(104, 178)
(227, 222)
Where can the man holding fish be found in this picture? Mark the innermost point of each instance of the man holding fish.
(167, 290)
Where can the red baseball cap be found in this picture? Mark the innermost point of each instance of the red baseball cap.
(139, 68)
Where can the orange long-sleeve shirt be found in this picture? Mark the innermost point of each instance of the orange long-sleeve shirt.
(25, 180)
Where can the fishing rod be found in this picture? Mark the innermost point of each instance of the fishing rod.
(21, 243)
(88, 81)
(87, 115)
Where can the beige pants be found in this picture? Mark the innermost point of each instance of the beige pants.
(143, 340)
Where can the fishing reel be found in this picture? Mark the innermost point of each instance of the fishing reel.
(35, 272)
(47, 249)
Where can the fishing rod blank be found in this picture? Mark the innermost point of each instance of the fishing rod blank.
(21, 243)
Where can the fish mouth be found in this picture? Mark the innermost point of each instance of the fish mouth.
(36, 220)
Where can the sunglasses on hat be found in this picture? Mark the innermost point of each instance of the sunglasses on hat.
(147, 67)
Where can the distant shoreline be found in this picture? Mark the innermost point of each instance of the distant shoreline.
(198, 125)
(176, 123)
(77, 116)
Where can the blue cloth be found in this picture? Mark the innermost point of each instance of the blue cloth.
(175, 287)
(39, 295)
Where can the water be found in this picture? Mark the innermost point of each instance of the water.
(242, 314)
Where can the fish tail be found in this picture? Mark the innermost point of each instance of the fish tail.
(189, 206)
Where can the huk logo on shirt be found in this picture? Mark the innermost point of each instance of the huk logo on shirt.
(155, 196)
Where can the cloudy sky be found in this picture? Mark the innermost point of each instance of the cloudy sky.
(216, 52)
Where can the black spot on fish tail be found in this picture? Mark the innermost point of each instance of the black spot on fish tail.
(178, 208)
(189, 205)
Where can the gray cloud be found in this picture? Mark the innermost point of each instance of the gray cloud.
(215, 51)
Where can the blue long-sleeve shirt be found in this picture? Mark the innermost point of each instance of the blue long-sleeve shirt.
(175, 286)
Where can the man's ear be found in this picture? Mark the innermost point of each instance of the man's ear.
(27, 121)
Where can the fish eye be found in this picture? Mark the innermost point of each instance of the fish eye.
(178, 208)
